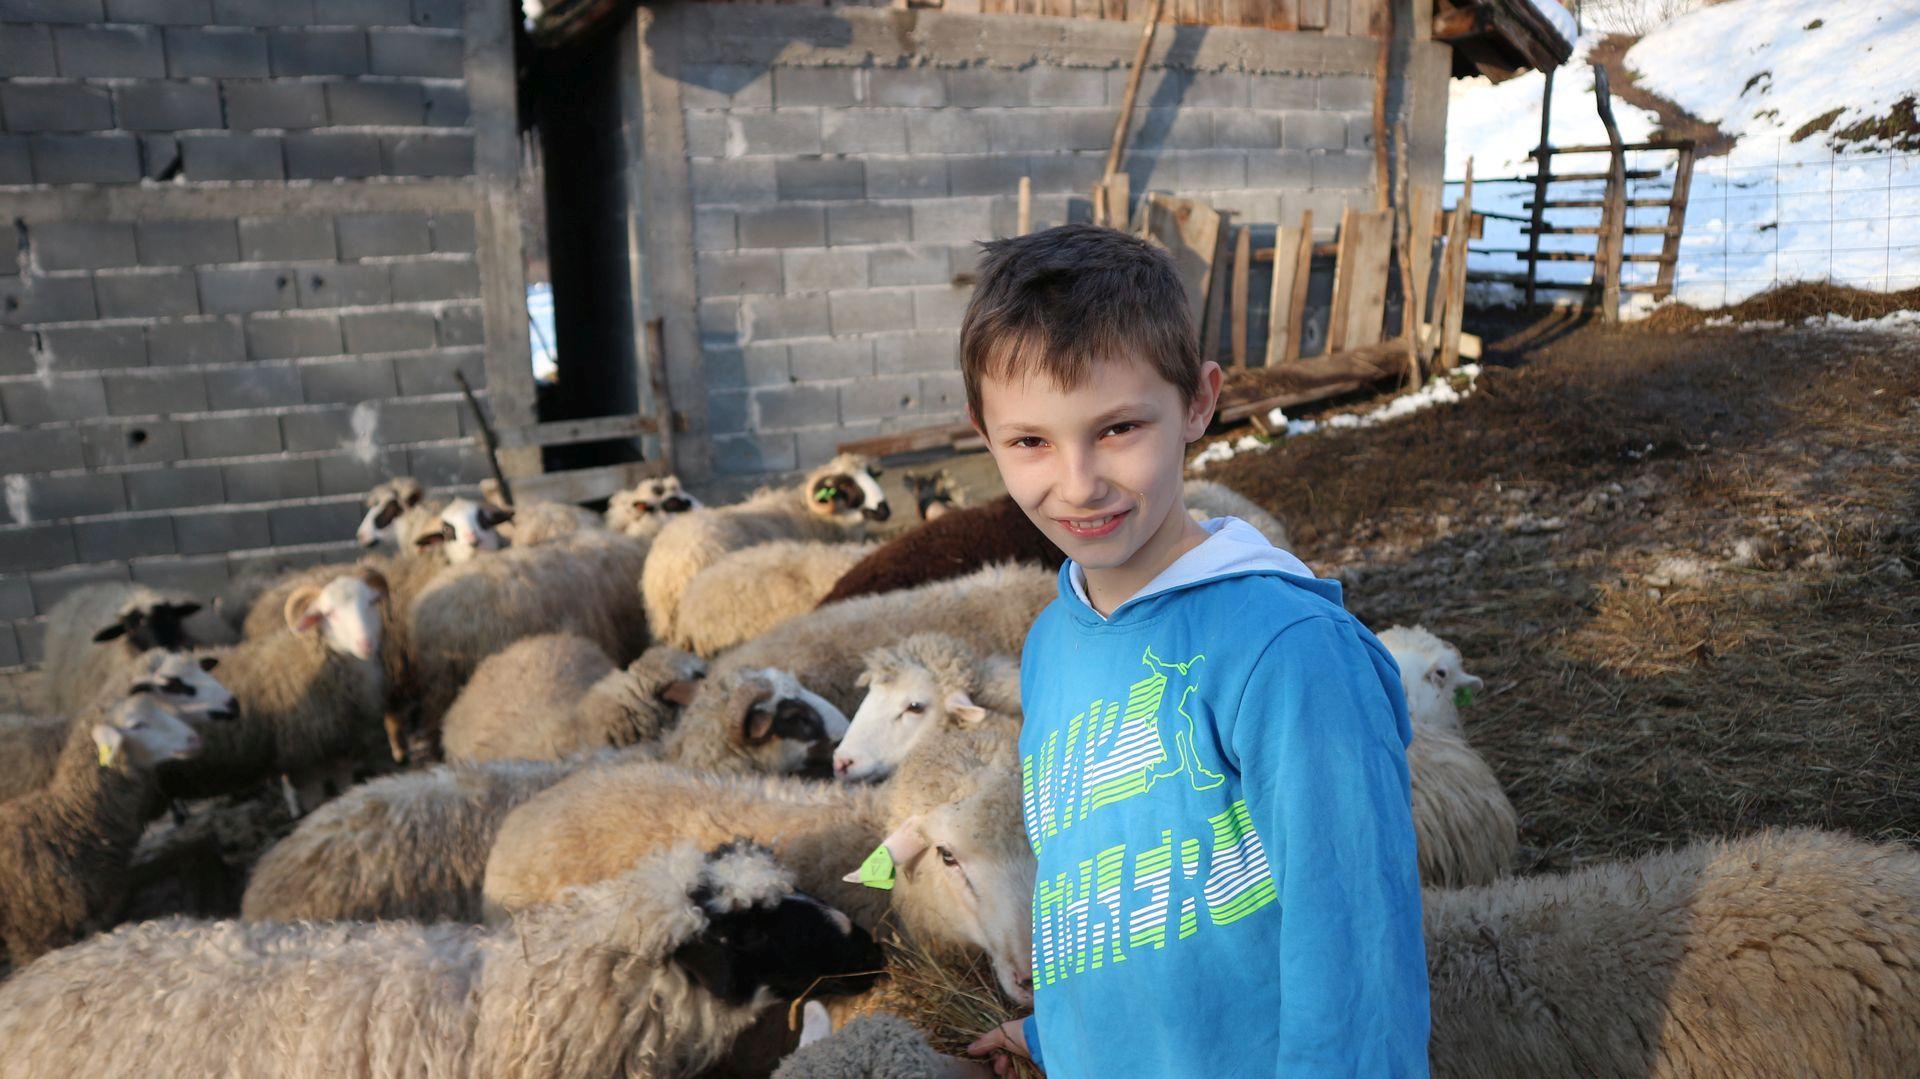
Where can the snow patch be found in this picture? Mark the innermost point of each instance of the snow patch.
(1440, 390)
(1559, 18)
(365, 422)
(19, 500)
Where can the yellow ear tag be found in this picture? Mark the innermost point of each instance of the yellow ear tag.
(877, 870)
(106, 755)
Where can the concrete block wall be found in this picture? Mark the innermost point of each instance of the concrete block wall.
(839, 190)
(246, 266)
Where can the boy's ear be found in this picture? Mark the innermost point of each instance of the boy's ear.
(974, 422)
(1206, 395)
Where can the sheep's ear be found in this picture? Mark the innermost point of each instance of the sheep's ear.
(815, 1023)
(864, 679)
(415, 496)
(680, 692)
(300, 615)
(118, 629)
(430, 539)
(179, 610)
(375, 580)
(906, 844)
(709, 963)
(961, 707)
(494, 516)
(111, 742)
(208, 663)
(755, 723)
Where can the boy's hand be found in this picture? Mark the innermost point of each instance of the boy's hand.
(1008, 1037)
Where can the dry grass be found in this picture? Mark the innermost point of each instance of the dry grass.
(1789, 303)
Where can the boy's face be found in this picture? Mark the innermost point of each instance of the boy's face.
(1098, 468)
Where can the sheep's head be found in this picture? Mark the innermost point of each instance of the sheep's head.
(182, 681)
(141, 732)
(781, 723)
(385, 503)
(149, 625)
(467, 527)
(657, 496)
(963, 874)
(913, 687)
(763, 940)
(1436, 683)
(345, 613)
(847, 489)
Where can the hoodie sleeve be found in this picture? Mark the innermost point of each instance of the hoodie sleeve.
(1320, 740)
(1030, 1029)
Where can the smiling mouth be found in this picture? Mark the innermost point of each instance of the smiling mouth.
(1093, 527)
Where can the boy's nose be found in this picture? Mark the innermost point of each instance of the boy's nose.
(1080, 485)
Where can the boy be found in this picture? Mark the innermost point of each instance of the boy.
(1213, 756)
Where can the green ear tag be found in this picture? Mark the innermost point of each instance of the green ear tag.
(824, 494)
(1463, 697)
(877, 870)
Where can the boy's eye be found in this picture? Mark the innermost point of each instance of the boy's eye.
(1122, 428)
(1028, 442)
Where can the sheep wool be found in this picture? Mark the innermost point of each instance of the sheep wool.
(80, 662)
(1463, 825)
(877, 1046)
(644, 510)
(957, 543)
(747, 592)
(554, 695)
(1207, 500)
(535, 523)
(30, 748)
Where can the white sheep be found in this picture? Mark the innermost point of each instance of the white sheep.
(651, 973)
(554, 695)
(925, 682)
(990, 610)
(643, 511)
(30, 746)
(1464, 826)
(1432, 674)
(746, 592)
(1784, 953)
(834, 503)
(95, 632)
(1206, 500)
(416, 845)
(466, 528)
(397, 513)
(64, 848)
(530, 524)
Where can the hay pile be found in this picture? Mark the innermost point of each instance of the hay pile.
(1788, 303)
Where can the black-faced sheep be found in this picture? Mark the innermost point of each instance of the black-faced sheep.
(397, 513)
(94, 632)
(749, 591)
(643, 511)
(650, 973)
(555, 695)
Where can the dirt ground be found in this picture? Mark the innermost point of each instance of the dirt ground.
(1683, 560)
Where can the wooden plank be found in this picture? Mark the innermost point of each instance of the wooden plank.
(1594, 204)
(1118, 144)
(1368, 18)
(1297, 303)
(1567, 256)
(1217, 284)
(1360, 279)
(1604, 148)
(1293, 252)
(914, 441)
(1023, 220)
(1242, 270)
(1119, 188)
(1606, 267)
(1339, 17)
(585, 484)
(571, 432)
(1542, 176)
(1676, 222)
(1307, 380)
(1313, 14)
(665, 420)
(1456, 299)
(1282, 15)
(1632, 174)
(1190, 231)
(1422, 222)
(1596, 230)
(1421, 12)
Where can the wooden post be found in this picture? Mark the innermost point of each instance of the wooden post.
(1380, 25)
(1337, 309)
(662, 400)
(1676, 221)
(489, 443)
(1456, 298)
(1119, 144)
(1542, 175)
(1023, 223)
(1606, 263)
(1242, 269)
(1403, 237)
(1297, 303)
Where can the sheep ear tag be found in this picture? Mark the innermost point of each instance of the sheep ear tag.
(876, 872)
(1463, 697)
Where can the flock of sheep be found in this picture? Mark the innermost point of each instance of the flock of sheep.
(581, 795)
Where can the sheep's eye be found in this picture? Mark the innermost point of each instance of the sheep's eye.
(1441, 673)
(946, 857)
(917, 707)
(175, 685)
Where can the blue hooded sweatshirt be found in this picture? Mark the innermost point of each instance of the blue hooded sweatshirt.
(1215, 786)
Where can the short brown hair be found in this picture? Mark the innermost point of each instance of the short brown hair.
(1063, 300)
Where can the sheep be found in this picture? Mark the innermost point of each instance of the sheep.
(416, 845)
(31, 746)
(533, 523)
(925, 682)
(646, 509)
(312, 700)
(1206, 500)
(550, 696)
(1465, 829)
(64, 848)
(581, 584)
(834, 503)
(466, 528)
(1432, 674)
(651, 973)
(958, 794)
(958, 542)
(95, 631)
(1792, 952)
(746, 592)
(874, 1046)
(397, 513)
(990, 609)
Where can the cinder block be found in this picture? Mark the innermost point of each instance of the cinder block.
(453, 233)
(64, 398)
(1282, 91)
(1050, 85)
(447, 106)
(187, 243)
(445, 14)
(53, 10)
(27, 51)
(986, 174)
(109, 52)
(216, 53)
(81, 245)
(753, 454)
(442, 466)
(827, 178)
(167, 106)
(232, 157)
(431, 54)
(270, 481)
(322, 429)
(906, 177)
(50, 588)
(1215, 90)
(746, 180)
(42, 450)
(1086, 129)
(871, 311)
(863, 131)
(817, 271)
(833, 358)
(208, 341)
(1246, 129)
(239, 290)
(368, 12)
(317, 52)
(867, 223)
(55, 106)
(119, 540)
(161, 12)
(263, 12)
(908, 87)
(1054, 173)
(16, 352)
(1313, 131)
(908, 264)
(172, 488)
(155, 393)
(32, 298)
(10, 653)
(879, 398)
(36, 547)
(86, 494)
(1210, 170)
(462, 325)
(948, 131)
(283, 104)
(720, 321)
(16, 161)
(773, 318)
(1172, 129)
(440, 279)
(724, 86)
(952, 221)
(16, 599)
(726, 411)
(146, 293)
(783, 408)
(85, 159)
(783, 226)
(432, 372)
(762, 364)
(736, 273)
(254, 386)
(427, 155)
(829, 87)
(772, 134)
(985, 87)
(939, 307)
(943, 393)
(418, 421)
(347, 474)
(232, 436)
(388, 331)
(279, 337)
(1279, 168)
(1359, 131)
(221, 531)
(370, 235)
(1346, 93)
(160, 157)
(348, 381)
(713, 229)
(313, 156)
(94, 347)
(902, 352)
(273, 239)
(1352, 171)
(202, 576)
(347, 284)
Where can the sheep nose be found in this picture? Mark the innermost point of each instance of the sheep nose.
(842, 764)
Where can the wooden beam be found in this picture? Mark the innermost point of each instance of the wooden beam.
(1542, 176)
(1242, 271)
(1118, 145)
(1456, 299)
(1676, 222)
(1613, 219)
(920, 439)
(585, 484)
(1360, 279)
(571, 432)
(1023, 221)
(1314, 379)
(1293, 251)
